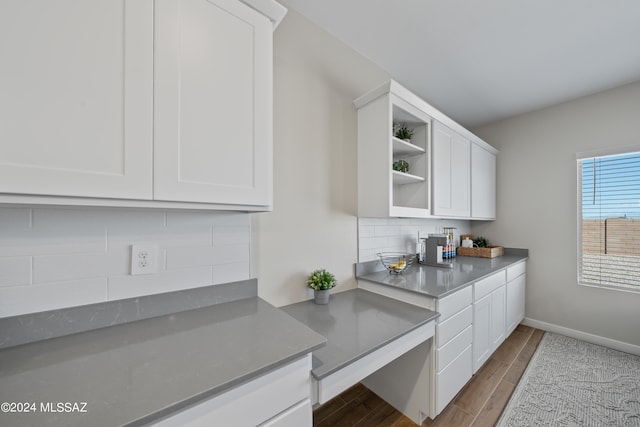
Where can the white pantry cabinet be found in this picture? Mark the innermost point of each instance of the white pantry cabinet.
(279, 398)
(163, 101)
(451, 173)
(488, 317)
(76, 111)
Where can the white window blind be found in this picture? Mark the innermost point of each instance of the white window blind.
(609, 221)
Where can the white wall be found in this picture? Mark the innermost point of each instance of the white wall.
(537, 203)
(313, 224)
(55, 257)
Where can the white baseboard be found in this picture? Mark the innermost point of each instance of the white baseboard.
(594, 339)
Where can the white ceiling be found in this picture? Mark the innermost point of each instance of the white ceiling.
(483, 60)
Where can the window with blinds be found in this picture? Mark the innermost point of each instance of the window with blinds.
(609, 221)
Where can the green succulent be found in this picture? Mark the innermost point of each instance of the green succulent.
(321, 280)
(480, 242)
(402, 131)
(401, 166)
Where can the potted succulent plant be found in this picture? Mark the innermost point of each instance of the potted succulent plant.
(321, 281)
(402, 131)
(401, 166)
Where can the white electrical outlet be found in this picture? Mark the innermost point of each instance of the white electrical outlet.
(144, 259)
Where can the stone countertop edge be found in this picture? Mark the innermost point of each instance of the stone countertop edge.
(436, 282)
(135, 373)
(31, 327)
(376, 320)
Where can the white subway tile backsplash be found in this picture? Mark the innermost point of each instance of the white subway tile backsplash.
(386, 230)
(193, 256)
(231, 235)
(399, 234)
(373, 221)
(373, 242)
(367, 255)
(53, 268)
(120, 287)
(227, 254)
(48, 242)
(233, 272)
(229, 219)
(366, 231)
(15, 271)
(52, 218)
(60, 257)
(34, 298)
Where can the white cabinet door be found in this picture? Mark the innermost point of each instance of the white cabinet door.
(488, 325)
(481, 331)
(451, 169)
(483, 183)
(213, 96)
(497, 317)
(515, 302)
(77, 97)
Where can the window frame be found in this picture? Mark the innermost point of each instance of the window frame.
(581, 156)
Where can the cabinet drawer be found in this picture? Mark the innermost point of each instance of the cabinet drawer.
(486, 286)
(451, 380)
(450, 305)
(299, 415)
(451, 327)
(448, 352)
(516, 270)
(268, 395)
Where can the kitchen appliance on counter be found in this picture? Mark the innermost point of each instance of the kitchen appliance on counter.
(433, 250)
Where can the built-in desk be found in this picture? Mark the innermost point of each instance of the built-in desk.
(364, 332)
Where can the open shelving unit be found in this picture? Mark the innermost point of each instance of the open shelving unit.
(382, 191)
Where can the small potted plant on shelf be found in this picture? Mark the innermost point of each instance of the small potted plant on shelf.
(401, 166)
(402, 131)
(321, 281)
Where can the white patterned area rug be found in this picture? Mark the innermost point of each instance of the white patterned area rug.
(573, 383)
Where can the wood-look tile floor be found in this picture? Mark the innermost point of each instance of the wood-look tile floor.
(479, 403)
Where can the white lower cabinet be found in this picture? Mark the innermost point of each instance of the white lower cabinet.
(453, 352)
(473, 323)
(516, 281)
(279, 398)
(295, 416)
(489, 307)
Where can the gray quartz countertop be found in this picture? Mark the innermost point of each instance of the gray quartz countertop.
(133, 373)
(355, 323)
(439, 282)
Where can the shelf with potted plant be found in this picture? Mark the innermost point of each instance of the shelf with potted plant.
(404, 148)
(393, 128)
(403, 178)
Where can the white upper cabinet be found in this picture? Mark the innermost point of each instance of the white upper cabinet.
(122, 103)
(77, 98)
(451, 173)
(383, 191)
(213, 114)
(483, 183)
